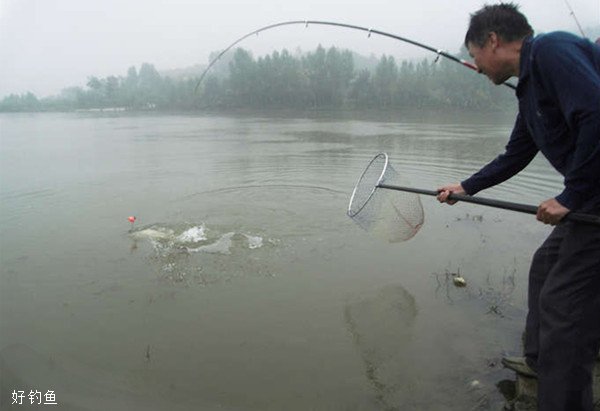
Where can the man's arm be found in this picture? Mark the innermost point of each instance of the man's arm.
(518, 153)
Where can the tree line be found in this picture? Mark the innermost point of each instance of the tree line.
(324, 78)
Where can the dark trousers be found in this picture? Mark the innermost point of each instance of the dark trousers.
(562, 334)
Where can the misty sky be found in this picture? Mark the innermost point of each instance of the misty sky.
(46, 45)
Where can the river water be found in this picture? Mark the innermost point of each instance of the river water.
(243, 284)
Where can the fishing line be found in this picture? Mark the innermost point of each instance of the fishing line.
(370, 31)
(575, 18)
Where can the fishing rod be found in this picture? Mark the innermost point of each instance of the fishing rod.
(575, 18)
(349, 26)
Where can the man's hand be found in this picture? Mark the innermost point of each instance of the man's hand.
(445, 191)
(551, 212)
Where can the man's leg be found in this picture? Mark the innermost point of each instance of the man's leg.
(543, 261)
(569, 321)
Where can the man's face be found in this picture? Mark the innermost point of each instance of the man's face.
(488, 61)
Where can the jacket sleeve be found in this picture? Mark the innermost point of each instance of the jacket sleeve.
(569, 73)
(518, 153)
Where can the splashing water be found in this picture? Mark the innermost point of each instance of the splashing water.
(221, 246)
(254, 241)
(192, 235)
(195, 250)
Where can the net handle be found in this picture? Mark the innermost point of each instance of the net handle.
(506, 205)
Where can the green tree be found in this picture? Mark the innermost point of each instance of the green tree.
(149, 86)
(321, 78)
(22, 102)
(362, 92)
(130, 87)
(243, 78)
(385, 80)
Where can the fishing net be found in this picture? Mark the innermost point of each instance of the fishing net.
(389, 214)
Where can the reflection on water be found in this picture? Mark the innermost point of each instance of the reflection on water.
(243, 284)
(381, 327)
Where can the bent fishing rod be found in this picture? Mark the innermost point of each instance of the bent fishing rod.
(349, 26)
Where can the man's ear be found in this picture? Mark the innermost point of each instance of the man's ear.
(494, 40)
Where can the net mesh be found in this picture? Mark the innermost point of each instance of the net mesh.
(389, 214)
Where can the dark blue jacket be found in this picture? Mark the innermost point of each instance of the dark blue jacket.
(559, 115)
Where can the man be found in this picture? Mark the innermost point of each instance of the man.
(559, 115)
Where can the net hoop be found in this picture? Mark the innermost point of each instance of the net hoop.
(392, 215)
(351, 213)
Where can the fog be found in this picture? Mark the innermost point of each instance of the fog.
(46, 45)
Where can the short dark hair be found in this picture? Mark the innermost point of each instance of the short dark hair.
(504, 19)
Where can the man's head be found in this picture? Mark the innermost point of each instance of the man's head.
(493, 39)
